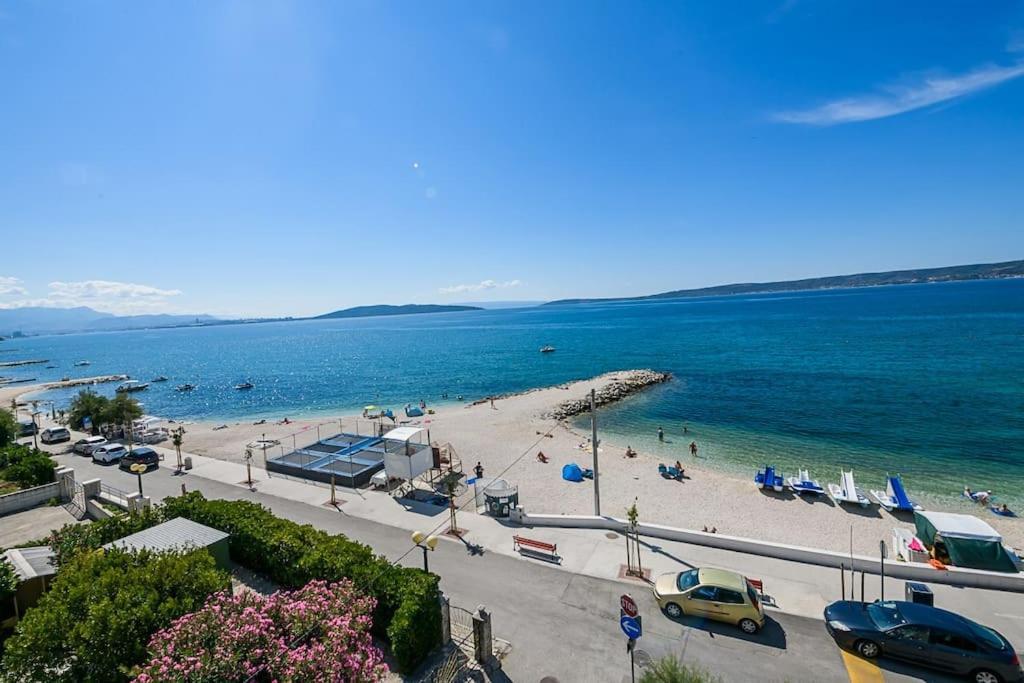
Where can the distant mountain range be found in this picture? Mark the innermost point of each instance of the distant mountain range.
(980, 271)
(43, 320)
(409, 309)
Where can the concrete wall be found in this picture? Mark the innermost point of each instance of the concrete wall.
(30, 498)
(913, 571)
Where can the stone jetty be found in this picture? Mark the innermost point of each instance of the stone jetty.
(622, 384)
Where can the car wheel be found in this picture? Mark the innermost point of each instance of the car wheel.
(985, 676)
(749, 626)
(867, 649)
(673, 610)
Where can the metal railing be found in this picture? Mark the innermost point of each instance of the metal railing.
(114, 494)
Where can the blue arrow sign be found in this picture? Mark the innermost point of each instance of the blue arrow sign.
(471, 481)
(630, 626)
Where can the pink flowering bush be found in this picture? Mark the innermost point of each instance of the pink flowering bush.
(320, 632)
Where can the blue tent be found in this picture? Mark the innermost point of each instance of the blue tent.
(572, 472)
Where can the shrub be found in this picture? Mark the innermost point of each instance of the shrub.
(9, 428)
(71, 539)
(8, 580)
(671, 670)
(94, 623)
(25, 466)
(317, 633)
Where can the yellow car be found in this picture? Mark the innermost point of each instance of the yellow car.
(716, 594)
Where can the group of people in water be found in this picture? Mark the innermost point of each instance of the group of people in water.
(984, 498)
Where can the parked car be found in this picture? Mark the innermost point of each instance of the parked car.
(85, 446)
(111, 452)
(923, 635)
(55, 435)
(716, 594)
(27, 428)
(143, 456)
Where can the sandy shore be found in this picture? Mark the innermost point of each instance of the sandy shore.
(505, 439)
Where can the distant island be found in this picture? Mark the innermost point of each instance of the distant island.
(979, 271)
(409, 309)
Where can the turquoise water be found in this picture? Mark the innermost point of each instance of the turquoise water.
(926, 380)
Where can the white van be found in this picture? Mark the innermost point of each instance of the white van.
(55, 435)
(85, 446)
(111, 452)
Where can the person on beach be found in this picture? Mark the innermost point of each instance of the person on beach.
(679, 467)
(478, 470)
(693, 448)
(492, 403)
(630, 453)
(541, 457)
(661, 434)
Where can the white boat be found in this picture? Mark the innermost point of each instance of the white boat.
(161, 378)
(846, 491)
(547, 349)
(186, 387)
(131, 386)
(894, 497)
(81, 363)
(244, 385)
(802, 483)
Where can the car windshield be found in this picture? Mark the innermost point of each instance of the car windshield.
(885, 615)
(687, 580)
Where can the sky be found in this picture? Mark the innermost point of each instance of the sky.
(290, 158)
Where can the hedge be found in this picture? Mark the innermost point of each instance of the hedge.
(407, 615)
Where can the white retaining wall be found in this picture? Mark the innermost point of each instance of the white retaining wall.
(30, 498)
(913, 571)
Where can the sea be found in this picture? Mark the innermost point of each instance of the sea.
(923, 380)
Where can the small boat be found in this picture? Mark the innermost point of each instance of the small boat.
(768, 479)
(894, 497)
(547, 349)
(65, 379)
(802, 483)
(81, 363)
(50, 367)
(186, 387)
(244, 385)
(847, 491)
(161, 378)
(131, 386)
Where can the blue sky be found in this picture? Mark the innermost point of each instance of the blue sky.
(274, 158)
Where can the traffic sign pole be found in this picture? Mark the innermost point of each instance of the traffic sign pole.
(632, 625)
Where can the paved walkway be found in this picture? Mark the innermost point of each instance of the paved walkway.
(29, 525)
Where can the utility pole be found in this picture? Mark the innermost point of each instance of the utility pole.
(593, 441)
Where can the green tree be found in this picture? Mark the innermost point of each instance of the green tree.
(25, 466)
(8, 428)
(97, 619)
(87, 404)
(122, 410)
(671, 670)
(8, 581)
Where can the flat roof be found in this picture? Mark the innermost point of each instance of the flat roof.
(403, 433)
(31, 563)
(173, 534)
(953, 525)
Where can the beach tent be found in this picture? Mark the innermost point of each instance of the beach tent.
(572, 472)
(970, 541)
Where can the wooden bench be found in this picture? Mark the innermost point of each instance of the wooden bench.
(546, 551)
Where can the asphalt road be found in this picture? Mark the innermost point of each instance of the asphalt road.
(562, 626)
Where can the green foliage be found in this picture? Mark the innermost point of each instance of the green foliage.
(122, 410)
(671, 670)
(25, 466)
(87, 404)
(9, 428)
(95, 622)
(72, 539)
(8, 580)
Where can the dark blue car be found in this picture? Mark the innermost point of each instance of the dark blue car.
(923, 635)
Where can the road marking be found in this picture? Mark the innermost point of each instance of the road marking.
(1009, 616)
(861, 670)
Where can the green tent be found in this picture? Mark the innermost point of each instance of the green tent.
(970, 541)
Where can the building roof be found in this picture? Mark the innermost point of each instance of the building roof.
(175, 534)
(952, 525)
(31, 563)
(403, 433)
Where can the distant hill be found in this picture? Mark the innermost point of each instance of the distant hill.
(981, 271)
(45, 320)
(368, 311)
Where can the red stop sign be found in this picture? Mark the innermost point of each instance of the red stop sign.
(628, 605)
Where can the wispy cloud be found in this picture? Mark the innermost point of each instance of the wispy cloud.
(898, 99)
(11, 286)
(479, 286)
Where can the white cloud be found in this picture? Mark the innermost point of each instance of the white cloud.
(479, 286)
(898, 99)
(11, 286)
(121, 298)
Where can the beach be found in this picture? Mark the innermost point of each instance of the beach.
(506, 438)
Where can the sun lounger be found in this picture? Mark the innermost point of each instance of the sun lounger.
(847, 491)
(802, 483)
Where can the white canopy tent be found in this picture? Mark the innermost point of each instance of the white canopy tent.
(406, 462)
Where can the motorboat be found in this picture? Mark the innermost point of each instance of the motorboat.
(244, 385)
(547, 349)
(81, 363)
(186, 387)
(131, 386)
(768, 479)
(847, 491)
(894, 497)
(802, 483)
(161, 378)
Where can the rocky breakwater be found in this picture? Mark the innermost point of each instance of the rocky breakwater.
(619, 386)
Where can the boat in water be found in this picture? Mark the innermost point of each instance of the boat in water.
(547, 349)
(244, 385)
(803, 483)
(847, 490)
(161, 378)
(894, 497)
(131, 386)
(186, 387)
(82, 363)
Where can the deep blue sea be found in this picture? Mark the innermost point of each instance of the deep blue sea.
(925, 380)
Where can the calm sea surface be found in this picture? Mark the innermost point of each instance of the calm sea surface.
(926, 380)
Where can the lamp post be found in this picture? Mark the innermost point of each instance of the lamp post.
(138, 468)
(248, 466)
(426, 543)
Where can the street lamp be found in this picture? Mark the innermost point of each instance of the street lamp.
(138, 468)
(426, 543)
